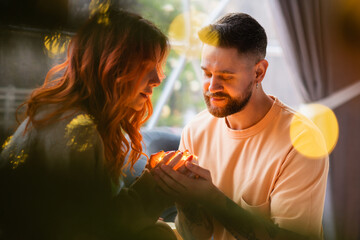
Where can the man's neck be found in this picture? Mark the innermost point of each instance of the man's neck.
(258, 106)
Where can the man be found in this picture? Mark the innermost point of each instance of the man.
(252, 182)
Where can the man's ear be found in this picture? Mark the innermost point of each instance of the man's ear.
(260, 70)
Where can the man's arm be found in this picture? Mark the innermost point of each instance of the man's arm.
(240, 222)
(235, 219)
(192, 222)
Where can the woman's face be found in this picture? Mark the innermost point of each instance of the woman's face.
(145, 89)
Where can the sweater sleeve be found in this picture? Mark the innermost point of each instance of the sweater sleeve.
(297, 200)
(67, 187)
(130, 209)
(298, 196)
(140, 205)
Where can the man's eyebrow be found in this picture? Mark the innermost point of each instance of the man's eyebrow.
(219, 72)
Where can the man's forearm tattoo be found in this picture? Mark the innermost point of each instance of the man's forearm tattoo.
(241, 228)
(196, 217)
(245, 223)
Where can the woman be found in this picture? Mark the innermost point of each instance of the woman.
(61, 170)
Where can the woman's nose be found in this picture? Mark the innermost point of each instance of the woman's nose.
(155, 81)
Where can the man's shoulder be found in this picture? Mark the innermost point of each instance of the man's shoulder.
(305, 135)
(296, 118)
(286, 111)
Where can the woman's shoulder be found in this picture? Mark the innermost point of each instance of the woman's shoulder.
(73, 130)
(16, 147)
(72, 134)
(68, 121)
(80, 131)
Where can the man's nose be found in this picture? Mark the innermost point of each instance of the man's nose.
(215, 85)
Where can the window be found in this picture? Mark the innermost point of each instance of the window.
(180, 98)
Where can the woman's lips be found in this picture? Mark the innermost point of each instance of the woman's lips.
(145, 95)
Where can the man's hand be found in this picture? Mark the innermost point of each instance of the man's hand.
(200, 193)
(182, 187)
(192, 220)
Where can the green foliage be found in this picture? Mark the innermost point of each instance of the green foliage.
(156, 11)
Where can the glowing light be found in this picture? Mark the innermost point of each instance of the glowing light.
(16, 156)
(177, 85)
(168, 7)
(7, 143)
(209, 36)
(80, 133)
(156, 158)
(165, 112)
(314, 142)
(102, 7)
(56, 44)
(195, 86)
(173, 62)
(187, 42)
(350, 7)
(184, 158)
(18, 159)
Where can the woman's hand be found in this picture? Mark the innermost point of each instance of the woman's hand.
(159, 158)
(175, 160)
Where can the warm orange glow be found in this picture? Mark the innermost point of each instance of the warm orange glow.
(156, 158)
(187, 156)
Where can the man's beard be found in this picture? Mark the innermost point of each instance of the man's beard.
(233, 105)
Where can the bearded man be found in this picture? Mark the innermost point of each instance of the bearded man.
(252, 181)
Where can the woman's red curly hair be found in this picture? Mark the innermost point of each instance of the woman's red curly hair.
(106, 60)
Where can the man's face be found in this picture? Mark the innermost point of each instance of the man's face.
(228, 80)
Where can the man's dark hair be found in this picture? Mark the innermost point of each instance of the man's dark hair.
(236, 30)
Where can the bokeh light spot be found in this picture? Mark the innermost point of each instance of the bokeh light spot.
(166, 111)
(195, 86)
(7, 142)
(56, 44)
(80, 133)
(18, 159)
(101, 6)
(168, 7)
(183, 41)
(306, 138)
(209, 36)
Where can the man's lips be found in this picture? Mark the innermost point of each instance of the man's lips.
(216, 99)
(218, 95)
